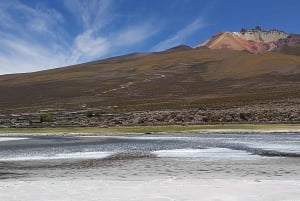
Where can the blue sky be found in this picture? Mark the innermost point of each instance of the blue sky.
(42, 34)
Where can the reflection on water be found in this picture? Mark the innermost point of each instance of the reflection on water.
(261, 156)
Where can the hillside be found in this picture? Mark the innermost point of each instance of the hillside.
(180, 78)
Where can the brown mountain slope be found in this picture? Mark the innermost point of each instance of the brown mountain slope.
(184, 78)
(290, 45)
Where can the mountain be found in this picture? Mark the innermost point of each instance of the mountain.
(255, 41)
(178, 78)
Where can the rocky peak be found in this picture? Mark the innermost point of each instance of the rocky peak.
(255, 40)
(260, 35)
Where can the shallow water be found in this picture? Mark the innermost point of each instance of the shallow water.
(202, 156)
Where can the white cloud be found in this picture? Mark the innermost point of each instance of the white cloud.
(136, 34)
(38, 20)
(23, 56)
(87, 46)
(92, 14)
(180, 36)
(37, 38)
(30, 40)
(90, 45)
(95, 15)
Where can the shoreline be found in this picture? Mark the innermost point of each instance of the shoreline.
(201, 129)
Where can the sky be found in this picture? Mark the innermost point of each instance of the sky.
(42, 34)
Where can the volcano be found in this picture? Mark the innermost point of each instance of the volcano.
(231, 68)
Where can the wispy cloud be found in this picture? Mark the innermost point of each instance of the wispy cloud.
(91, 14)
(28, 38)
(135, 34)
(36, 38)
(179, 37)
(19, 55)
(87, 46)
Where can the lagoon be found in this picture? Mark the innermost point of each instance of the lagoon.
(122, 164)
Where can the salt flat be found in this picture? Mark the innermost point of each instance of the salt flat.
(179, 167)
(11, 138)
(150, 190)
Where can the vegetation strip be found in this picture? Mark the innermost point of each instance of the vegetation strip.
(158, 129)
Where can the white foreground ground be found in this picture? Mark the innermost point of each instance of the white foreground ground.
(150, 190)
(11, 138)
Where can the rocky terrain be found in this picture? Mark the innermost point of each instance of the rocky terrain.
(272, 112)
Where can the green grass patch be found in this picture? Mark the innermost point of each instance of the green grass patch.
(154, 129)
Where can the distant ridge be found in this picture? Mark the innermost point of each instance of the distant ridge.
(180, 47)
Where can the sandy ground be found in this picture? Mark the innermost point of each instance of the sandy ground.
(152, 190)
